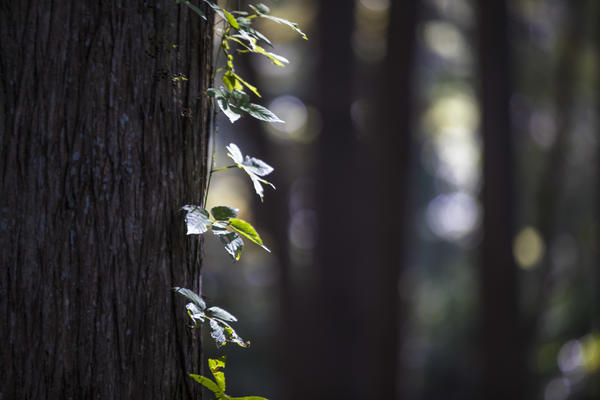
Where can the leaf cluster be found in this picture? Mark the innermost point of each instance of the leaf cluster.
(224, 225)
(218, 319)
(217, 386)
(239, 36)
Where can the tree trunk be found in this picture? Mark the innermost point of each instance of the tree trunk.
(99, 148)
(502, 356)
(391, 145)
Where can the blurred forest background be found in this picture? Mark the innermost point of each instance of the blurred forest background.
(435, 224)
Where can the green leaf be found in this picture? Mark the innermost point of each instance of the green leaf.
(249, 86)
(196, 219)
(231, 82)
(216, 366)
(235, 153)
(218, 333)
(221, 314)
(229, 111)
(233, 337)
(254, 167)
(195, 9)
(191, 296)
(292, 25)
(232, 242)
(226, 15)
(195, 313)
(277, 59)
(263, 8)
(223, 213)
(247, 230)
(207, 383)
(260, 112)
(240, 98)
(257, 183)
(231, 19)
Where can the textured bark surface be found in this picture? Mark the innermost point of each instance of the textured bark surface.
(99, 149)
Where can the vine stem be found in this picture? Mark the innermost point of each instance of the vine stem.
(223, 169)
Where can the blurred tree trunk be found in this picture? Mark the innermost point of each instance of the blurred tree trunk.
(99, 149)
(390, 143)
(338, 310)
(502, 355)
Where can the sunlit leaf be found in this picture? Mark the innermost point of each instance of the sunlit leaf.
(216, 366)
(247, 230)
(191, 296)
(257, 166)
(231, 19)
(235, 153)
(257, 183)
(196, 219)
(275, 58)
(218, 333)
(231, 82)
(232, 242)
(233, 337)
(262, 8)
(207, 383)
(229, 111)
(221, 314)
(292, 25)
(223, 213)
(260, 112)
(254, 167)
(195, 313)
(249, 86)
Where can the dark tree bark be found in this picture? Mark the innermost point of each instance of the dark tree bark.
(501, 347)
(99, 149)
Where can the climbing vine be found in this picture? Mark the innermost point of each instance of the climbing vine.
(238, 37)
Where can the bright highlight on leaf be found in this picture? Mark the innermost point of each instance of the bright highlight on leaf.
(196, 219)
(254, 167)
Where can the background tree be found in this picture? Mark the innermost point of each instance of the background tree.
(103, 138)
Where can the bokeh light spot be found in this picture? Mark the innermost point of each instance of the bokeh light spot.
(528, 248)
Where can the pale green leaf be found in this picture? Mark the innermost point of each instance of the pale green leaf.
(195, 313)
(235, 153)
(260, 112)
(231, 241)
(191, 296)
(196, 219)
(292, 25)
(218, 333)
(257, 166)
(229, 111)
(221, 314)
